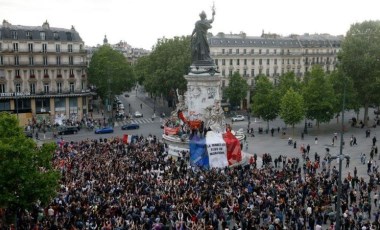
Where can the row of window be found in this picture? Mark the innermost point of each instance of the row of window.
(283, 51)
(42, 35)
(46, 87)
(293, 61)
(45, 72)
(45, 61)
(43, 104)
(275, 72)
(44, 47)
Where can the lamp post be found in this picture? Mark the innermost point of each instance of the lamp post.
(305, 128)
(16, 96)
(109, 106)
(338, 207)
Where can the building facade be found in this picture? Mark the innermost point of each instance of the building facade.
(272, 55)
(43, 73)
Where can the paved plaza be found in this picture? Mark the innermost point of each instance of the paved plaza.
(278, 144)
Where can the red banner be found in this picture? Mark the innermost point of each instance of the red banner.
(171, 131)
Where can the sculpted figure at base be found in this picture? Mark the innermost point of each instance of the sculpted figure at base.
(214, 117)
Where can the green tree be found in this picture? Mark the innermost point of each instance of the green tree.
(289, 81)
(292, 108)
(236, 89)
(360, 60)
(163, 70)
(265, 100)
(340, 84)
(318, 95)
(110, 72)
(26, 171)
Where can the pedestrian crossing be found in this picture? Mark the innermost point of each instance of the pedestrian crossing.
(136, 121)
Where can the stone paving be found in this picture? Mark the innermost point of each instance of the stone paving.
(278, 144)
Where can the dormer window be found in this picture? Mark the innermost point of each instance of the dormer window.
(56, 36)
(14, 35)
(43, 35)
(69, 36)
(28, 35)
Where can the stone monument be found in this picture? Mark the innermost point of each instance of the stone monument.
(199, 110)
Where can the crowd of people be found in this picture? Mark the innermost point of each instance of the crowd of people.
(109, 184)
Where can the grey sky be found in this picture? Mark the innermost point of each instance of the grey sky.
(141, 22)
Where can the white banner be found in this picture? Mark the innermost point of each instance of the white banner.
(176, 151)
(216, 150)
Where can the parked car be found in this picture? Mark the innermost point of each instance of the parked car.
(376, 112)
(130, 126)
(238, 118)
(126, 95)
(138, 114)
(104, 130)
(68, 130)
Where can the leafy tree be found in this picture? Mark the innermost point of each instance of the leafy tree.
(110, 72)
(360, 60)
(265, 100)
(163, 70)
(236, 89)
(341, 83)
(289, 81)
(292, 108)
(26, 172)
(319, 98)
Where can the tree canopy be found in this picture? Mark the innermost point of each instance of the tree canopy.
(26, 171)
(360, 60)
(289, 81)
(236, 89)
(319, 98)
(292, 108)
(265, 100)
(163, 70)
(110, 72)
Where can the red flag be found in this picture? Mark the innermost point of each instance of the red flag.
(233, 148)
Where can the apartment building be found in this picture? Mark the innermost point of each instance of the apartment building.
(272, 55)
(43, 73)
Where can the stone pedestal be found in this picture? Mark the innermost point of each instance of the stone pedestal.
(203, 90)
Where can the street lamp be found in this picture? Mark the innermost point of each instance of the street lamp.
(16, 96)
(305, 128)
(338, 222)
(154, 105)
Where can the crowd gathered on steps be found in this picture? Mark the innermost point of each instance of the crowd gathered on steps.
(107, 184)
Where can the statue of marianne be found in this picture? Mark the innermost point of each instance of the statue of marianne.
(200, 50)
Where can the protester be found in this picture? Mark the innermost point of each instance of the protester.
(107, 184)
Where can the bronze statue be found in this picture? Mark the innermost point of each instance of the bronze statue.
(200, 50)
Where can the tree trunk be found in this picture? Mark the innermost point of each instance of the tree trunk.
(293, 131)
(365, 120)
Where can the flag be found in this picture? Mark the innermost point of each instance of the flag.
(127, 139)
(215, 151)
